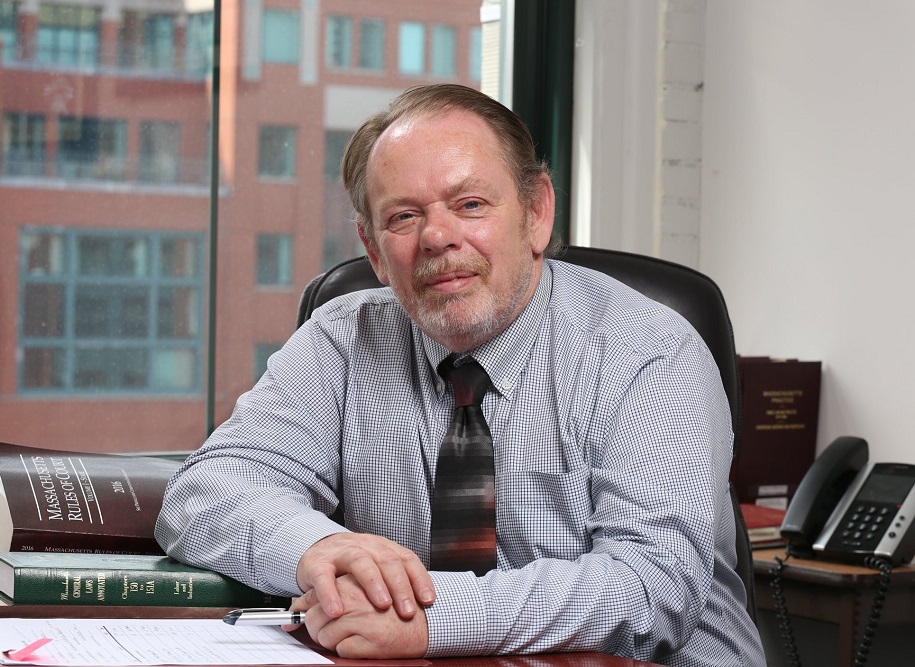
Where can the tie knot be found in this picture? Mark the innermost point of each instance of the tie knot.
(468, 378)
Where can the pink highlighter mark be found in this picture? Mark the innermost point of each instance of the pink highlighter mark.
(24, 653)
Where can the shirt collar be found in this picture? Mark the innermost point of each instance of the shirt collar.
(505, 356)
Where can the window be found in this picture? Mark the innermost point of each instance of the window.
(444, 45)
(371, 44)
(91, 148)
(334, 146)
(198, 49)
(159, 152)
(274, 259)
(8, 20)
(147, 41)
(106, 149)
(412, 48)
(68, 35)
(475, 66)
(281, 36)
(277, 152)
(23, 144)
(338, 52)
(110, 311)
(262, 352)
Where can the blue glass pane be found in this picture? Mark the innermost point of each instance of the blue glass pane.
(412, 48)
(281, 36)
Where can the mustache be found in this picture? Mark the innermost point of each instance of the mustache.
(438, 265)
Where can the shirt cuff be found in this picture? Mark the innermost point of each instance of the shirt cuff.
(288, 543)
(457, 618)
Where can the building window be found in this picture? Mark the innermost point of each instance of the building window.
(274, 259)
(276, 153)
(339, 41)
(92, 148)
(110, 311)
(334, 145)
(371, 44)
(262, 352)
(281, 36)
(159, 152)
(68, 35)
(444, 47)
(198, 49)
(23, 144)
(411, 48)
(8, 20)
(147, 41)
(475, 66)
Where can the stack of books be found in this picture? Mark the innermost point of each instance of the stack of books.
(763, 525)
(77, 529)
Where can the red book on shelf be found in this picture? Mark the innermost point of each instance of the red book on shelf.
(763, 524)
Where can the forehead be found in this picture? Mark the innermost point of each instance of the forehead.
(439, 134)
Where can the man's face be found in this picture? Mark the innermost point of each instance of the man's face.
(450, 234)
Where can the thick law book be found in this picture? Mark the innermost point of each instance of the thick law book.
(121, 580)
(74, 502)
(780, 403)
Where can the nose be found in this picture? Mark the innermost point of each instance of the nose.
(441, 230)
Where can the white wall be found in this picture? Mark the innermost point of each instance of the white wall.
(808, 198)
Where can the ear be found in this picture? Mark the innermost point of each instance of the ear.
(541, 214)
(371, 249)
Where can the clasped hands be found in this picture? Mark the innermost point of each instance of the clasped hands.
(364, 597)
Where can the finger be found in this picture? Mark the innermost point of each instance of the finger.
(420, 580)
(315, 621)
(308, 600)
(301, 604)
(369, 575)
(356, 646)
(399, 586)
(329, 632)
(324, 585)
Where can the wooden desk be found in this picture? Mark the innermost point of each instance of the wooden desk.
(835, 593)
(542, 660)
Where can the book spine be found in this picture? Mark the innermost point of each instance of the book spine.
(51, 541)
(143, 588)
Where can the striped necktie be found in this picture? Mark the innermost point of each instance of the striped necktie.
(463, 530)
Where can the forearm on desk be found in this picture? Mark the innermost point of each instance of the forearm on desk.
(597, 603)
(253, 533)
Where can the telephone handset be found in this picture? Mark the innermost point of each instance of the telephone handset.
(847, 509)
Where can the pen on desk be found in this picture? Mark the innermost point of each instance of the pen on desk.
(259, 616)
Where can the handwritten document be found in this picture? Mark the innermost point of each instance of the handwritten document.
(99, 642)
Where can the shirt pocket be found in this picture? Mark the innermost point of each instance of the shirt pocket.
(543, 515)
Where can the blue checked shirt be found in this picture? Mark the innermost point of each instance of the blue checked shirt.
(612, 442)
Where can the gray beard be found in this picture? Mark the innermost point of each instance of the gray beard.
(430, 312)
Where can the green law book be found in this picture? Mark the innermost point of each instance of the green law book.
(121, 580)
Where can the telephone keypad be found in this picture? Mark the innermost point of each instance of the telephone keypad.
(864, 525)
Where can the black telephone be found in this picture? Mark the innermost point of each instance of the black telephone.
(849, 510)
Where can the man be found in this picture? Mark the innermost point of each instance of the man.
(610, 430)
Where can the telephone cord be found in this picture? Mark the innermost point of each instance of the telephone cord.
(867, 637)
(781, 610)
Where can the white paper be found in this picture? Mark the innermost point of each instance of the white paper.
(98, 642)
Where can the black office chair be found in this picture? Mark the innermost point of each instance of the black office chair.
(692, 294)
